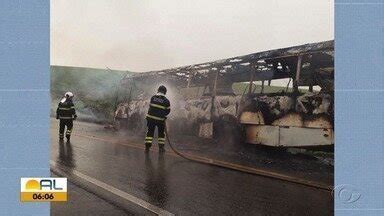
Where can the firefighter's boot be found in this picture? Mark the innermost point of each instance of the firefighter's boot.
(148, 143)
(68, 134)
(147, 147)
(161, 148)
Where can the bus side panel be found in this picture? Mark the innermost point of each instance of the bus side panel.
(297, 136)
(263, 134)
(288, 136)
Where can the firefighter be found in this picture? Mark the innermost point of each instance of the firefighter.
(159, 108)
(66, 113)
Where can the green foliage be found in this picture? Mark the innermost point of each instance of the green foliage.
(94, 89)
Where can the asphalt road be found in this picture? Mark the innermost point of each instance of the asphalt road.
(170, 184)
(83, 202)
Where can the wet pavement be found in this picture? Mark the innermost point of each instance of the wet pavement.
(178, 186)
(82, 202)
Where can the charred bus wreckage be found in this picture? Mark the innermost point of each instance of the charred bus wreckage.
(218, 98)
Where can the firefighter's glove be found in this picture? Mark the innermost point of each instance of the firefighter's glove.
(74, 117)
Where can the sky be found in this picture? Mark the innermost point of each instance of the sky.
(147, 35)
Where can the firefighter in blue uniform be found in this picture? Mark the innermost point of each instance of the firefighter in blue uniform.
(66, 113)
(159, 108)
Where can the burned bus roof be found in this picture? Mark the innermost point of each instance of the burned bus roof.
(272, 64)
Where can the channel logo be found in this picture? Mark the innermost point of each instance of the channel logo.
(43, 189)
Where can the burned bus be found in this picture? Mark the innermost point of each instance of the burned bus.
(279, 98)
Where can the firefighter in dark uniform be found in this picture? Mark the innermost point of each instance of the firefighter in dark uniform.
(66, 113)
(159, 108)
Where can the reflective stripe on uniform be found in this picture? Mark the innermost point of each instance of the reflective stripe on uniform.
(148, 140)
(160, 140)
(61, 117)
(158, 106)
(62, 108)
(156, 118)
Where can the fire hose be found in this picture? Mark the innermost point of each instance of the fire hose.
(235, 167)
